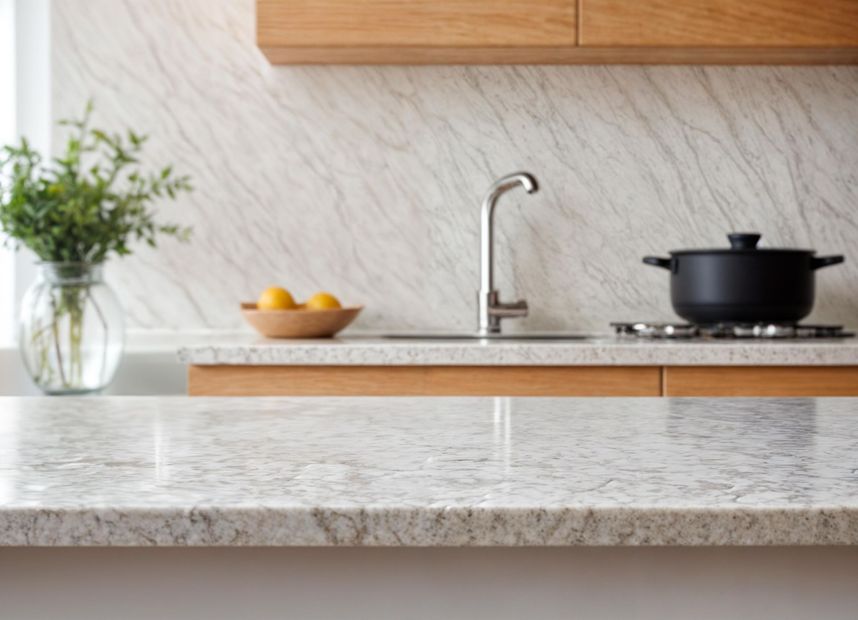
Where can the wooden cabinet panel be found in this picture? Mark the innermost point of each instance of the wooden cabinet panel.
(424, 381)
(783, 381)
(577, 55)
(376, 24)
(719, 23)
(558, 31)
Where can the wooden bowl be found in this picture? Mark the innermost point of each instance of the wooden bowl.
(299, 323)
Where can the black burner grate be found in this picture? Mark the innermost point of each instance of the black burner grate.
(770, 331)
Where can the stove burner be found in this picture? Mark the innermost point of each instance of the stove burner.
(769, 331)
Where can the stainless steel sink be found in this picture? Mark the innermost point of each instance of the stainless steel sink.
(490, 309)
(495, 336)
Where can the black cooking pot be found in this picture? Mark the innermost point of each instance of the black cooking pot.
(742, 284)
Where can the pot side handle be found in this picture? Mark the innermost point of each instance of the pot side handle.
(818, 262)
(655, 261)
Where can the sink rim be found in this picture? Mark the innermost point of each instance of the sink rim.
(558, 336)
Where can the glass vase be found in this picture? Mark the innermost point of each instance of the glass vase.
(71, 329)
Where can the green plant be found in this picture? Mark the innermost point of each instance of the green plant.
(90, 202)
(75, 211)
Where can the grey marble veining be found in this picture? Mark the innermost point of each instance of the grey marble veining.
(428, 471)
(366, 181)
(597, 351)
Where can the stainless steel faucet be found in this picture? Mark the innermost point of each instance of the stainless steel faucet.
(489, 307)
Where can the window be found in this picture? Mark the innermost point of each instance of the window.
(7, 135)
(25, 94)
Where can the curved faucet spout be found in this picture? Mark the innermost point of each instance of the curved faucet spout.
(487, 213)
(490, 309)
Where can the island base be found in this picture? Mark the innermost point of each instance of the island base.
(470, 583)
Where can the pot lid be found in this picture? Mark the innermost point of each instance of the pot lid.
(744, 243)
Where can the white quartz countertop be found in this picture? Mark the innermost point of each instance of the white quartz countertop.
(428, 471)
(597, 351)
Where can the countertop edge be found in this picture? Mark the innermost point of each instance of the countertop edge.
(601, 354)
(429, 527)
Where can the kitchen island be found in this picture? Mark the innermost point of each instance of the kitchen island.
(560, 495)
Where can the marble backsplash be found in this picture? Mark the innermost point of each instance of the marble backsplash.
(366, 181)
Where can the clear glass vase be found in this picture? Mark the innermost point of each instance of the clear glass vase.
(71, 329)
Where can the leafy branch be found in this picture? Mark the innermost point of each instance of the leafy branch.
(89, 203)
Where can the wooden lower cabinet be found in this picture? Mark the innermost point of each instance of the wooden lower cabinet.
(424, 381)
(786, 381)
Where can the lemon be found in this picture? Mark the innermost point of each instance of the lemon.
(323, 301)
(275, 298)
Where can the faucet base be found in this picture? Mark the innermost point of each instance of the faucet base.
(490, 311)
(487, 323)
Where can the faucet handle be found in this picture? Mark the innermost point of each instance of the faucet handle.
(509, 310)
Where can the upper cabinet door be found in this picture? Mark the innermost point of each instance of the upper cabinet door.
(719, 23)
(385, 29)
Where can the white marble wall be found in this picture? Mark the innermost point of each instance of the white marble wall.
(366, 181)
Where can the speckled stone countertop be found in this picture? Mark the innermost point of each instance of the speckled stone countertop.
(596, 351)
(428, 471)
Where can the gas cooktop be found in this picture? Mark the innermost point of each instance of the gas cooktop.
(729, 330)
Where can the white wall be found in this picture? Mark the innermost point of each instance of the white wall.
(366, 180)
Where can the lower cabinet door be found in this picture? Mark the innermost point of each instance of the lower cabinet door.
(424, 381)
(783, 381)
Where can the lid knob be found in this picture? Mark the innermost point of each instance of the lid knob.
(744, 241)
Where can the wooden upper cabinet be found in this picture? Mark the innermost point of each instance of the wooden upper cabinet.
(558, 31)
(413, 30)
(720, 23)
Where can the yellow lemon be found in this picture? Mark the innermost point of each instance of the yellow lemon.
(275, 298)
(322, 301)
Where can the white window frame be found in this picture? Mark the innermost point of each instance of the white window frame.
(8, 131)
(25, 52)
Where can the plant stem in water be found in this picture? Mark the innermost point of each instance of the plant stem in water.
(106, 334)
(56, 330)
